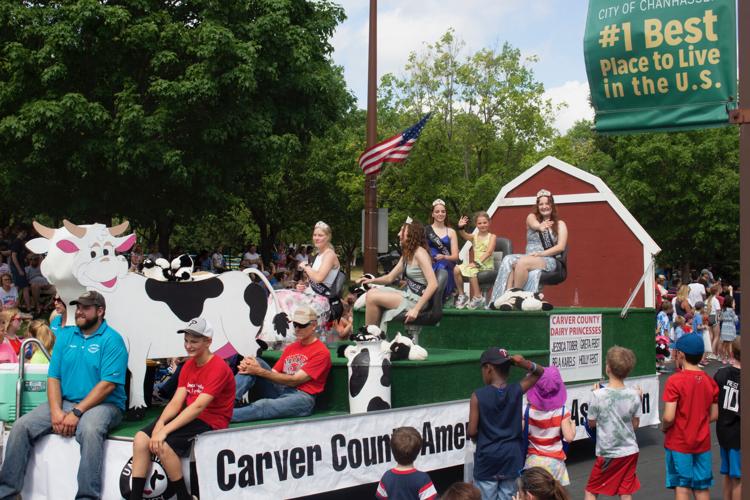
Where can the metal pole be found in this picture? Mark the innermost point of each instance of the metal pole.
(21, 370)
(371, 181)
(743, 48)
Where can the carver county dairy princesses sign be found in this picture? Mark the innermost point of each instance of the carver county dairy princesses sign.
(575, 345)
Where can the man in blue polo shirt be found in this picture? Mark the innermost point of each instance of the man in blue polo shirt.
(86, 398)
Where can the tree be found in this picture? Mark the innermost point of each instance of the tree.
(489, 119)
(161, 111)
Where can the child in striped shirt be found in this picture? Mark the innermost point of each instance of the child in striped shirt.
(547, 423)
(404, 481)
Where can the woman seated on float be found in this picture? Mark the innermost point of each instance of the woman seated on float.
(546, 237)
(443, 244)
(415, 266)
(315, 290)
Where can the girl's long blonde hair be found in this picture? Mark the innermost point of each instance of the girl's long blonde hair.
(40, 331)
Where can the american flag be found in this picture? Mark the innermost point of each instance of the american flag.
(392, 150)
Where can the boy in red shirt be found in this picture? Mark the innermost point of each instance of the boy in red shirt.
(690, 405)
(290, 387)
(203, 401)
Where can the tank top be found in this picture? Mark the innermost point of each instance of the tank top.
(331, 276)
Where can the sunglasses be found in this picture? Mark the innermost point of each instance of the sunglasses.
(301, 325)
(16, 318)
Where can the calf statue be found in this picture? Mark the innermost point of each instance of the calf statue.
(148, 312)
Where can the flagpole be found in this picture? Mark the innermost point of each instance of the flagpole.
(371, 181)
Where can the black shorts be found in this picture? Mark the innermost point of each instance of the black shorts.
(181, 440)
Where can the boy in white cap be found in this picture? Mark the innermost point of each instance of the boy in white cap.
(203, 402)
(290, 387)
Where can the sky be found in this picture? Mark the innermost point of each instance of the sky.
(552, 30)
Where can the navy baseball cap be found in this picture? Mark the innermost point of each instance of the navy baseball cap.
(690, 343)
(494, 356)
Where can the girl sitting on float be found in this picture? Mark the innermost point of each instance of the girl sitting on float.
(483, 243)
(415, 266)
(546, 237)
(443, 244)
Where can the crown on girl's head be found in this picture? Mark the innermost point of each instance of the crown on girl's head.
(322, 224)
(408, 220)
(438, 202)
(543, 192)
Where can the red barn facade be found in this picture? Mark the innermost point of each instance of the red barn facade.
(608, 250)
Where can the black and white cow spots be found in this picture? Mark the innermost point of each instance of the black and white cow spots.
(360, 370)
(377, 403)
(186, 299)
(256, 298)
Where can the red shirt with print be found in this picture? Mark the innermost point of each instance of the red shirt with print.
(694, 392)
(314, 359)
(214, 378)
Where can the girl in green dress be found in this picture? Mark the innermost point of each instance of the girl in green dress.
(484, 246)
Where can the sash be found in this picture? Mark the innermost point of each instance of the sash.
(436, 241)
(320, 288)
(547, 239)
(414, 286)
(336, 307)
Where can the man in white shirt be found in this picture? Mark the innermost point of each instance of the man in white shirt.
(252, 258)
(697, 293)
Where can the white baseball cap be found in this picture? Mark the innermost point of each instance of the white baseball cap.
(198, 326)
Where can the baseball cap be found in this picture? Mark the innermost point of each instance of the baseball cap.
(661, 277)
(304, 314)
(494, 356)
(198, 326)
(690, 343)
(90, 298)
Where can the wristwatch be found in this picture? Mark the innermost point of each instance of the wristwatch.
(76, 412)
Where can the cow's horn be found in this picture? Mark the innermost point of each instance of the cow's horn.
(77, 231)
(46, 232)
(119, 228)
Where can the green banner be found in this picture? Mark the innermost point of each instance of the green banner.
(661, 64)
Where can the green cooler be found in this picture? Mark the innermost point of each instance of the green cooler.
(34, 389)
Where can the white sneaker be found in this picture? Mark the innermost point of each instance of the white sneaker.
(461, 301)
(476, 302)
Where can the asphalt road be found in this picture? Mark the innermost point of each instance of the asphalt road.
(580, 461)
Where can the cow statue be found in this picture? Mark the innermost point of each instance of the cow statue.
(148, 312)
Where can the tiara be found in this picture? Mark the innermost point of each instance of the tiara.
(543, 192)
(438, 202)
(322, 224)
(408, 220)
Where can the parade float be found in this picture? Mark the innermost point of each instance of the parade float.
(334, 448)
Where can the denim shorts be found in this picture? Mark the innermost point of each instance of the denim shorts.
(497, 490)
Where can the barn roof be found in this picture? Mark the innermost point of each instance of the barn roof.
(601, 192)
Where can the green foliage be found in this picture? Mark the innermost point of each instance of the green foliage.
(162, 112)
(490, 119)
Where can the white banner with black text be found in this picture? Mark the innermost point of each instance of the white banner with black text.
(313, 456)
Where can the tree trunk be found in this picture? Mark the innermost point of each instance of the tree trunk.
(165, 226)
